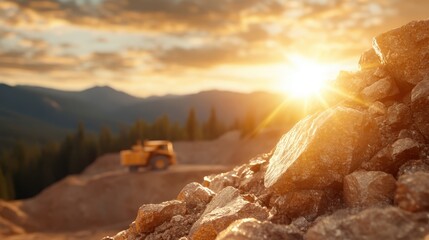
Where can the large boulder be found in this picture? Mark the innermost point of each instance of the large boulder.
(371, 224)
(252, 229)
(150, 216)
(404, 51)
(412, 192)
(365, 189)
(321, 149)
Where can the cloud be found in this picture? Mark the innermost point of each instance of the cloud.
(114, 39)
(206, 57)
(21, 61)
(107, 61)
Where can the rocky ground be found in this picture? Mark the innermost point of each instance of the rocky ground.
(357, 170)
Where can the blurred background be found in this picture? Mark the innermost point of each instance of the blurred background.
(83, 78)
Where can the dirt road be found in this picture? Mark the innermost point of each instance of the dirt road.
(97, 199)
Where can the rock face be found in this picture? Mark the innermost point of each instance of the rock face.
(332, 175)
(412, 193)
(404, 51)
(371, 224)
(252, 229)
(320, 150)
(365, 189)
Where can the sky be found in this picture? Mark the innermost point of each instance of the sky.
(158, 47)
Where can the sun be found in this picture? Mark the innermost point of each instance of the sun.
(305, 77)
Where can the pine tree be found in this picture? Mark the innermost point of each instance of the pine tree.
(4, 191)
(212, 127)
(105, 140)
(192, 125)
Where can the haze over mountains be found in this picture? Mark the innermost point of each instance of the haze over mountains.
(35, 114)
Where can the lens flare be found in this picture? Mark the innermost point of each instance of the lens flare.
(305, 77)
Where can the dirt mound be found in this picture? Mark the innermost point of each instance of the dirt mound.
(358, 170)
(229, 149)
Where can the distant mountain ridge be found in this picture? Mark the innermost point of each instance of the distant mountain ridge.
(53, 112)
(102, 97)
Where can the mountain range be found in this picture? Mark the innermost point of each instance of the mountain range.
(35, 114)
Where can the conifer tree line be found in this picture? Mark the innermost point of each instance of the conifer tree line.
(27, 169)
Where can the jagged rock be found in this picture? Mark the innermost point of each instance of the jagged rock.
(381, 161)
(303, 203)
(224, 197)
(390, 158)
(404, 51)
(194, 194)
(302, 224)
(122, 235)
(221, 202)
(413, 134)
(371, 224)
(377, 108)
(217, 182)
(252, 176)
(352, 83)
(150, 216)
(412, 192)
(369, 59)
(413, 167)
(405, 149)
(420, 106)
(398, 115)
(380, 72)
(252, 229)
(420, 91)
(210, 224)
(253, 183)
(176, 228)
(381, 89)
(368, 188)
(321, 149)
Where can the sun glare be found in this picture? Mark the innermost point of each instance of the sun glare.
(305, 77)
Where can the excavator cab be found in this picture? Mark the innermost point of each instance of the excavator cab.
(156, 155)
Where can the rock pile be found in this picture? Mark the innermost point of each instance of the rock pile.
(358, 170)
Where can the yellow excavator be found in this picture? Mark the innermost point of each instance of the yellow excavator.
(157, 155)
